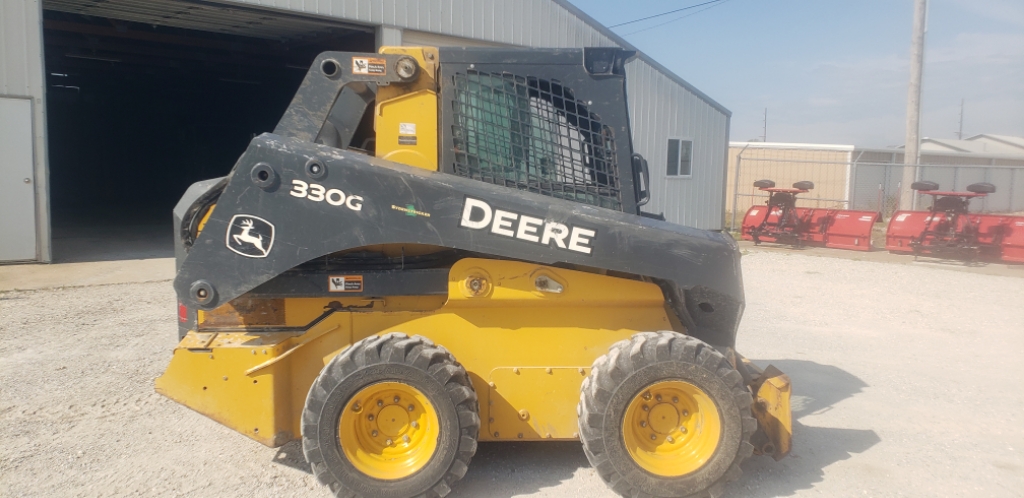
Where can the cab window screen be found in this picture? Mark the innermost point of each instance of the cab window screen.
(532, 134)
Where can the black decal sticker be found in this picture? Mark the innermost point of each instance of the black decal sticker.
(410, 210)
(345, 283)
(369, 65)
(250, 236)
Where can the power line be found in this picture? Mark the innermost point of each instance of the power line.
(715, 4)
(664, 13)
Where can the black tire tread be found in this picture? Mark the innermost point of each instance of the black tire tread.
(416, 351)
(644, 349)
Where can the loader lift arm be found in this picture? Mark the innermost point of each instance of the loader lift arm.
(698, 270)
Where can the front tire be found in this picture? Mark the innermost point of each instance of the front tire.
(665, 415)
(392, 416)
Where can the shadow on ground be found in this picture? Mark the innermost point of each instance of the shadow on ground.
(502, 470)
(497, 470)
(817, 389)
(512, 469)
(290, 455)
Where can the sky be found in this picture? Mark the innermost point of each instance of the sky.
(837, 72)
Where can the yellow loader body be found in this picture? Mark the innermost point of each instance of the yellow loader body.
(527, 350)
(567, 314)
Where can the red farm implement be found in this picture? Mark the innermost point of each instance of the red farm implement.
(948, 230)
(781, 222)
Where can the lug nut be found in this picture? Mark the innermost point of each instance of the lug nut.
(405, 438)
(645, 408)
(388, 442)
(397, 399)
(675, 399)
(380, 403)
(369, 417)
(669, 439)
(658, 397)
(682, 429)
(356, 407)
(374, 433)
(643, 423)
(653, 437)
(686, 413)
(415, 424)
(647, 396)
(411, 408)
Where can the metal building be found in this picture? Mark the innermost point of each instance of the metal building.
(108, 110)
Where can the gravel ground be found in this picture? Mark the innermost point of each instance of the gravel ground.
(907, 382)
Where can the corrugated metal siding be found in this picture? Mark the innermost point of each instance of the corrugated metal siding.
(536, 23)
(661, 109)
(21, 75)
(411, 38)
(231, 19)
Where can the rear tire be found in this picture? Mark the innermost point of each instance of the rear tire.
(673, 462)
(409, 377)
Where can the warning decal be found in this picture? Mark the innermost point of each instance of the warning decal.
(345, 283)
(367, 65)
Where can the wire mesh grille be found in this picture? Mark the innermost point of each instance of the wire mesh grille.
(532, 134)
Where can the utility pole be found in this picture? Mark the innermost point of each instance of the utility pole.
(960, 132)
(764, 124)
(911, 151)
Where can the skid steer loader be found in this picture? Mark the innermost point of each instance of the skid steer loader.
(437, 247)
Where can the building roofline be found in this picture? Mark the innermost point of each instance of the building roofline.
(944, 143)
(888, 150)
(785, 145)
(976, 155)
(997, 138)
(646, 58)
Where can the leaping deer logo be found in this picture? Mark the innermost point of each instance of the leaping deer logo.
(250, 240)
(245, 237)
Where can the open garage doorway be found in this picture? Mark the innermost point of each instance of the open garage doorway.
(141, 105)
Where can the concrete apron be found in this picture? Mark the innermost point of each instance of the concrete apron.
(42, 276)
(883, 256)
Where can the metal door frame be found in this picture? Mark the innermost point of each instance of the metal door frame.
(40, 187)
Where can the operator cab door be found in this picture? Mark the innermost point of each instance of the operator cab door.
(17, 182)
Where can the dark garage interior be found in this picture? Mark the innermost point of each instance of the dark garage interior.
(137, 110)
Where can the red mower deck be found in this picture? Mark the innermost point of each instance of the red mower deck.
(948, 230)
(780, 221)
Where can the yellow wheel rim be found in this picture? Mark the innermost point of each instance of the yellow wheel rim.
(389, 430)
(671, 428)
